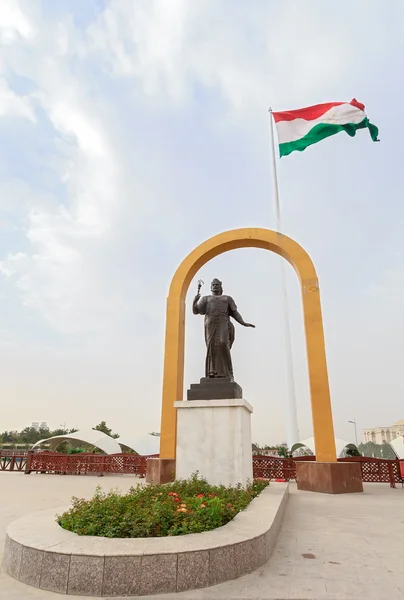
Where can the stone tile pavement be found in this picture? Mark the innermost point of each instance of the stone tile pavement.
(329, 548)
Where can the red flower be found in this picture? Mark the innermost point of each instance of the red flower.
(172, 494)
(177, 499)
(200, 495)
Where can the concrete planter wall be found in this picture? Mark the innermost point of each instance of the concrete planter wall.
(40, 553)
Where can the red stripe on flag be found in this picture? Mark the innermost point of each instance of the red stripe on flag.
(312, 112)
(308, 114)
(359, 105)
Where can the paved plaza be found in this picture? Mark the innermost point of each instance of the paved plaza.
(329, 547)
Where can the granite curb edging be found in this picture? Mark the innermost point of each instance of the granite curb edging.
(38, 552)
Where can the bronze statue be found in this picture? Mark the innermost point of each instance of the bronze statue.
(219, 330)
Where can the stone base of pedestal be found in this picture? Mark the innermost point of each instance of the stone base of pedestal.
(215, 388)
(214, 439)
(329, 478)
(160, 470)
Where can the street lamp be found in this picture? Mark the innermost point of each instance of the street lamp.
(356, 434)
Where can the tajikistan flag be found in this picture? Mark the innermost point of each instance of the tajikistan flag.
(300, 128)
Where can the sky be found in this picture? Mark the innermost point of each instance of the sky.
(133, 130)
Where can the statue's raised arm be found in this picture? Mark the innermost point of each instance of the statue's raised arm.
(199, 305)
(195, 304)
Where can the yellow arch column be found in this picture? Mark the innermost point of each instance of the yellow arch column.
(173, 378)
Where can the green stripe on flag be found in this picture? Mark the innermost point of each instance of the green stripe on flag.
(324, 130)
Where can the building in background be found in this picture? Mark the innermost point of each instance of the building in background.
(40, 425)
(383, 435)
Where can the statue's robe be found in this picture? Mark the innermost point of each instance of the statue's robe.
(219, 334)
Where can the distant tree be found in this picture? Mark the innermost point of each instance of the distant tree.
(376, 450)
(352, 451)
(387, 451)
(271, 450)
(303, 451)
(283, 452)
(59, 431)
(256, 449)
(63, 447)
(369, 449)
(44, 433)
(29, 435)
(9, 437)
(105, 429)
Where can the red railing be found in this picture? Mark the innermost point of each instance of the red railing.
(267, 467)
(13, 452)
(12, 460)
(83, 464)
(272, 467)
(375, 470)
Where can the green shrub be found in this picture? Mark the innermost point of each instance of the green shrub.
(184, 506)
(76, 450)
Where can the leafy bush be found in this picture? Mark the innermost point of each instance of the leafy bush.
(352, 451)
(76, 450)
(184, 506)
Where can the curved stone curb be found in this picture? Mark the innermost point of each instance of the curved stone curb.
(40, 553)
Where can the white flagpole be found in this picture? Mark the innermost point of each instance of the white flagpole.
(292, 430)
(275, 176)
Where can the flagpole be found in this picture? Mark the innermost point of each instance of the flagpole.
(275, 176)
(292, 430)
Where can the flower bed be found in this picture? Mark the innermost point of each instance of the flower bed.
(182, 507)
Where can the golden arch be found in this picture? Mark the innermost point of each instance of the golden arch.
(173, 378)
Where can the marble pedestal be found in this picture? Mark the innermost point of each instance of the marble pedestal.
(329, 478)
(212, 388)
(214, 438)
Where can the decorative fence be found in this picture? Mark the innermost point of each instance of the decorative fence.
(10, 453)
(375, 470)
(267, 467)
(272, 467)
(13, 460)
(83, 464)
(378, 469)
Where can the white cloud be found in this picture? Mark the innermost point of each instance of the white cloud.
(13, 105)
(151, 135)
(267, 54)
(71, 122)
(14, 24)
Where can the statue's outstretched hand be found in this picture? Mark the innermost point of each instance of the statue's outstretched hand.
(249, 325)
(197, 297)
